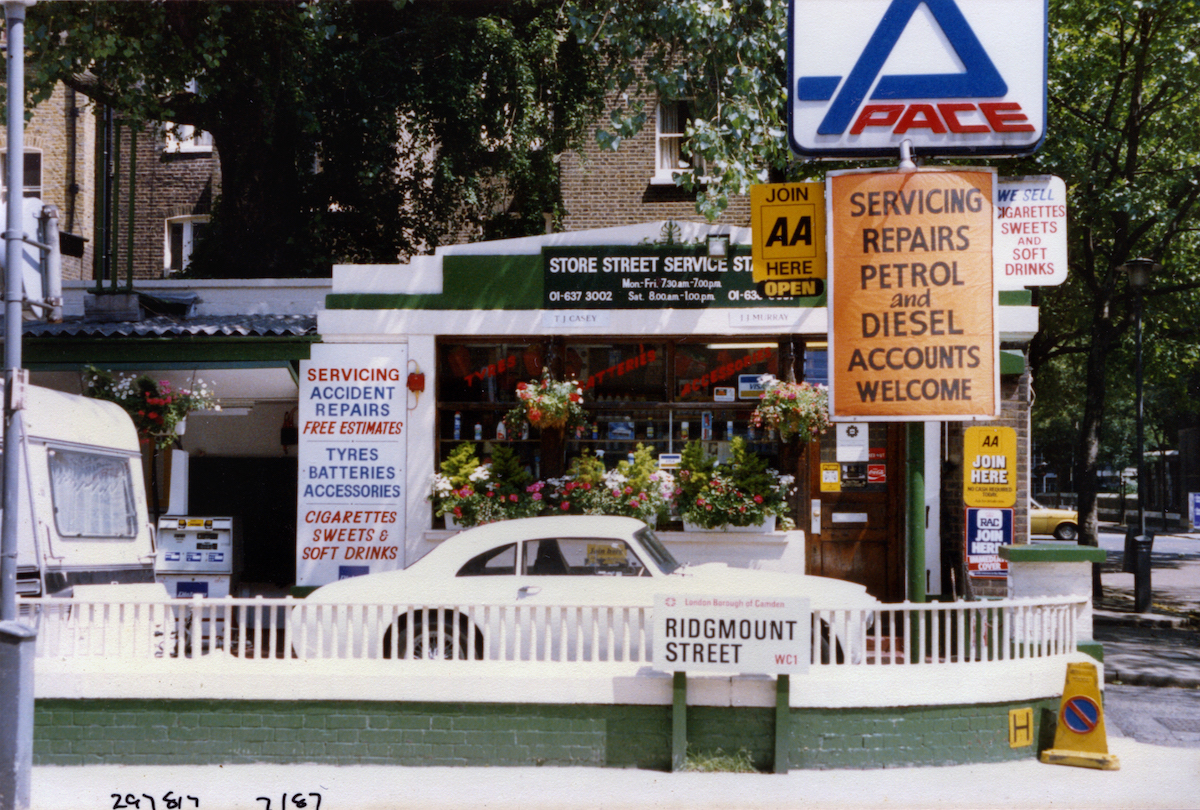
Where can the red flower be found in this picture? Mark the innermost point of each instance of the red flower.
(512, 498)
(565, 506)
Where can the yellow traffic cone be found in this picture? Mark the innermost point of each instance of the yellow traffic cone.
(1080, 738)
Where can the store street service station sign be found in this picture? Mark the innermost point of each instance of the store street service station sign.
(950, 76)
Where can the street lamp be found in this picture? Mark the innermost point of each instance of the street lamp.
(1139, 271)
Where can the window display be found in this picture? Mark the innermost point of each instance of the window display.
(660, 395)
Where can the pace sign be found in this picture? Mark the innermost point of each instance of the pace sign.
(949, 76)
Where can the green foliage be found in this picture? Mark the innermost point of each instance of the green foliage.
(695, 469)
(727, 59)
(347, 131)
(719, 762)
(1122, 135)
(458, 466)
(586, 469)
(740, 491)
(508, 475)
(748, 470)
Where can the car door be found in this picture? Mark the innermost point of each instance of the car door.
(605, 587)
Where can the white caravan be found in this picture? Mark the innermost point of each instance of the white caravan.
(84, 528)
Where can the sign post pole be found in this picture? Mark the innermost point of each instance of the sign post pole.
(679, 723)
(783, 721)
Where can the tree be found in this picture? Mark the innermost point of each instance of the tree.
(1123, 106)
(347, 131)
(726, 59)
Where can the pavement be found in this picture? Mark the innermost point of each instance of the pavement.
(1158, 648)
(1149, 777)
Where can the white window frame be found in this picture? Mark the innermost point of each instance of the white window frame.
(670, 126)
(29, 189)
(187, 138)
(187, 241)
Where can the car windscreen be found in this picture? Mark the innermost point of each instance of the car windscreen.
(661, 557)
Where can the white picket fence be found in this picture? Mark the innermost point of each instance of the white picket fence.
(241, 630)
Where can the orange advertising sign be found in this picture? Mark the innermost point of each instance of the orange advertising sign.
(912, 332)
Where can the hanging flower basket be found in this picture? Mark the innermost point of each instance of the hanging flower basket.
(159, 411)
(796, 410)
(547, 404)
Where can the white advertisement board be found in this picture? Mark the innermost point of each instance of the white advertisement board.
(1029, 236)
(751, 634)
(352, 457)
(949, 76)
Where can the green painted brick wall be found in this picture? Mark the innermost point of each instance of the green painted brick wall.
(81, 732)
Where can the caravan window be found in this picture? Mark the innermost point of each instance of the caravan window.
(93, 495)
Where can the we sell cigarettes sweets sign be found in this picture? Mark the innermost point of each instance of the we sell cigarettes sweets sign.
(912, 332)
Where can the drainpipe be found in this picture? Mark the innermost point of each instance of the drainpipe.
(53, 292)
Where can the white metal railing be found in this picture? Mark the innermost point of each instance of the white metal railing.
(911, 634)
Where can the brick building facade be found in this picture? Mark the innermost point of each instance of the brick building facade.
(603, 188)
(60, 168)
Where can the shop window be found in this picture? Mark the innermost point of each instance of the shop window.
(816, 364)
(33, 174)
(660, 394)
(183, 234)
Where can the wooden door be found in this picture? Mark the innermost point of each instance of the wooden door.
(861, 531)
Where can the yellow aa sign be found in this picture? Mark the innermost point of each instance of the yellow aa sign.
(788, 239)
(1080, 738)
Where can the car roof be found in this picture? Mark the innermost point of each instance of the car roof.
(549, 526)
(460, 547)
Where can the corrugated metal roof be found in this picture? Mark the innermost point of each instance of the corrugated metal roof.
(162, 326)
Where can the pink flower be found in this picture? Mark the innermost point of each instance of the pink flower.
(565, 506)
(513, 498)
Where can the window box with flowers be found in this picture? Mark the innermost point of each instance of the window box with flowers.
(468, 492)
(796, 410)
(740, 494)
(159, 410)
(634, 488)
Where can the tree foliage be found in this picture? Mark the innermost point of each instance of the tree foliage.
(1122, 111)
(347, 131)
(727, 59)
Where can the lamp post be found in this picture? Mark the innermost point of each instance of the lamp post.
(1139, 271)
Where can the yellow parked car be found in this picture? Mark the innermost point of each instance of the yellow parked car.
(1062, 523)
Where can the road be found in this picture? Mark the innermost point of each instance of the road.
(1167, 544)
(1156, 715)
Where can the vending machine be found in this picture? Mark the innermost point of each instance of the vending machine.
(198, 555)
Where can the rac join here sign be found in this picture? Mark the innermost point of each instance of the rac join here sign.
(912, 333)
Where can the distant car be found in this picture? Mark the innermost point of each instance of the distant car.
(580, 561)
(1062, 523)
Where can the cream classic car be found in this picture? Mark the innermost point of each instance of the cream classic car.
(457, 600)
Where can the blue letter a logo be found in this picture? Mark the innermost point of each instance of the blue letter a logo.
(979, 80)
